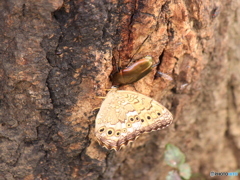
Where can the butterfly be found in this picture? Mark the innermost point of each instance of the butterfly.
(124, 115)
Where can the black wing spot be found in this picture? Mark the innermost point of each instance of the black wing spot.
(101, 130)
(124, 130)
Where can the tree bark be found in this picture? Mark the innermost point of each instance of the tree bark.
(56, 58)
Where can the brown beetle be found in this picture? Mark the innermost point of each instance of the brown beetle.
(133, 73)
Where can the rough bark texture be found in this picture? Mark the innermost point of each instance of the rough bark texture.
(56, 58)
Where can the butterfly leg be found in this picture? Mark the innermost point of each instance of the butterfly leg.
(96, 108)
(107, 89)
(101, 97)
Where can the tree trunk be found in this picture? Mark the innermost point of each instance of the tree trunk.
(56, 58)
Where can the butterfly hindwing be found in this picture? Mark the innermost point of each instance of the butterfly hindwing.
(124, 115)
(152, 114)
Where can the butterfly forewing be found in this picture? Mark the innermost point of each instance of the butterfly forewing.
(124, 115)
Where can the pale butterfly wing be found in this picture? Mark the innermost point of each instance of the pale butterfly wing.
(124, 115)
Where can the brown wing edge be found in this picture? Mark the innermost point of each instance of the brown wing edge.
(134, 135)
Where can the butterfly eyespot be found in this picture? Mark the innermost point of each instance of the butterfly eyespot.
(129, 125)
(148, 117)
(136, 118)
(159, 114)
(101, 129)
(131, 119)
(118, 133)
(124, 130)
(110, 132)
(142, 120)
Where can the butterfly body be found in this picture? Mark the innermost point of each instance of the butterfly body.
(124, 115)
